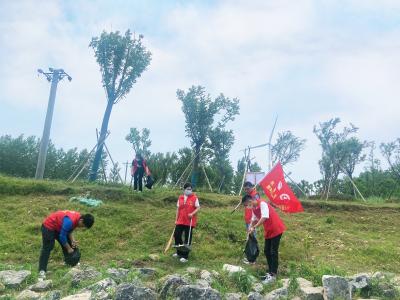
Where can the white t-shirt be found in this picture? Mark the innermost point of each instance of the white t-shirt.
(196, 204)
(264, 211)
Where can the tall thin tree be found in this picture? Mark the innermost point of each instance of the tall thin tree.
(122, 59)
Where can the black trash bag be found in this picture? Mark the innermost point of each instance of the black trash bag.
(73, 258)
(149, 182)
(251, 250)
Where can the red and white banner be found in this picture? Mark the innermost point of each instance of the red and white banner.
(279, 192)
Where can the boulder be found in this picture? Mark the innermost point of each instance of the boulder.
(359, 281)
(78, 275)
(312, 293)
(215, 274)
(41, 286)
(231, 269)
(304, 282)
(28, 295)
(170, 285)
(128, 291)
(146, 272)
(192, 270)
(233, 296)
(204, 274)
(280, 293)
(203, 283)
(13, 279)
(102, 285)
(258, 287)
(194, 292)
(102, 295)
(154, 257)
(336, 287)
(118, 275)
(80, 296)
(52, 295)
(254, 296)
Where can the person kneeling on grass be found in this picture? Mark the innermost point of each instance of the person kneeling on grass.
(59, 226)
(264, 214)
(186, 218)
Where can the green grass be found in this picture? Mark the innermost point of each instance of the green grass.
(328, 238)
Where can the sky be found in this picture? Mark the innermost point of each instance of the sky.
(302, 61)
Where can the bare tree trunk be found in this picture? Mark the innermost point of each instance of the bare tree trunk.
(195, 171)
(103, 132)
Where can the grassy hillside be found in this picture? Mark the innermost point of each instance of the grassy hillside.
(329, 237)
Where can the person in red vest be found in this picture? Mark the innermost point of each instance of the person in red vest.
(139, 167)
(249, 189)
(264, 214)
(186, 219)
(59, 226)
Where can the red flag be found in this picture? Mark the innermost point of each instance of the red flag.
(279, 192)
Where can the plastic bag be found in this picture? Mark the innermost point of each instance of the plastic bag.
(149, 182)
(73, 258)
(251, 250)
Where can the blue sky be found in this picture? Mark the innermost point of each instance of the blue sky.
(305, 61)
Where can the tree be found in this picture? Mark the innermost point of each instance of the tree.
(220, 144)
(122, 60)
(201, 113)
(140, 142)
(333, 154)
(391, 152)
(287, 148)
(113, 177)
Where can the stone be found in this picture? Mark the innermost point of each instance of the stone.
(128, 291)
(312, 293)
(192, 270)
(41, 286)
(52, 295)
(78, 275)
(28, 295)
(13, 279)
(280, 293)
(254, 296)
(188, 292)
(170, 285)
(102, 285)
(146, 272)
(203, 283)
(258, 287)
(204, 274)
(231, 269)
(233, 296)
(359, 281)
(118, 275)
(80, 296)
(215, 274)
(154, 257)
(304, 282)
(336, 287)
(102, 295)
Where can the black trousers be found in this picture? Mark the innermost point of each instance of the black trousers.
(271, 251)
(138, 178)
(48, 239)
(181, 230)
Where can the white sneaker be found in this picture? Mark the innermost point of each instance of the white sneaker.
(183, 260)
(42, 276)
(175, 255)
(269, 278)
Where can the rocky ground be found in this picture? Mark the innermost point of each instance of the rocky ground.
(86, 283)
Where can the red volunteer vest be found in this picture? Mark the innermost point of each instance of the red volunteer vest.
(54, 220)
(248, 212)
(186, 208)
(273, 226)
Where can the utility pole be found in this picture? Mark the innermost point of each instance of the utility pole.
(54, 76)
